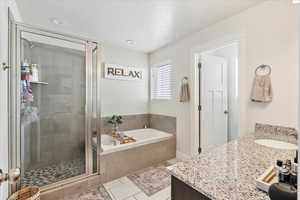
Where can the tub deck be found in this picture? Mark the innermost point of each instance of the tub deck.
(142, 137)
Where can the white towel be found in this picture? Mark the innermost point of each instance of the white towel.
(185, 92)
(262, 89)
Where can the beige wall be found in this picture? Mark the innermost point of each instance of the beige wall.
(269, 35)
(124, 97)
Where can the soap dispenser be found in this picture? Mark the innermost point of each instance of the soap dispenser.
(284, 172)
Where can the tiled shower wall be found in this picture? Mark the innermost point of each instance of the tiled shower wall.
(60, 133)
(159, 122)
(163, 123)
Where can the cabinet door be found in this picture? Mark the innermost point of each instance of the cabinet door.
(181, 191)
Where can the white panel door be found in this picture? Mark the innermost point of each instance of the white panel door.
(3, 96)
(214, 118)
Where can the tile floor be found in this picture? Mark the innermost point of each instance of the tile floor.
(153, 180)
(124, 189)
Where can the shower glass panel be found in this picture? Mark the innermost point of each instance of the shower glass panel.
(95, 140)
(53, 120)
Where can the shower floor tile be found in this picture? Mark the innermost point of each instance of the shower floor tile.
(54, 173)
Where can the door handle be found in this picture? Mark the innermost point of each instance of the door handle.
(226, 112)
(12, 176)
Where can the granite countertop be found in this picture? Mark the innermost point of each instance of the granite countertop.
(229, 172)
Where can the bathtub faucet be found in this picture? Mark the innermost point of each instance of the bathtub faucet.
(119, 138)
(116, 142)
(294, 133)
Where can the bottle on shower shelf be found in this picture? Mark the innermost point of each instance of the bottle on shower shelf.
(26, 92)
(25, 70)
(34, 73)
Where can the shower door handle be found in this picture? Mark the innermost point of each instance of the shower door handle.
(12, 176)
(5, 66)
(226, 112)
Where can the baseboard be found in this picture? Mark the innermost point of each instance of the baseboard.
(182, 156)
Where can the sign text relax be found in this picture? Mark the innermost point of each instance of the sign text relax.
(113, 71)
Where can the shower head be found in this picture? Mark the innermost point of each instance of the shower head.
(31, 45)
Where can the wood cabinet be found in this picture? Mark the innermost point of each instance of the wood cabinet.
(182, 191)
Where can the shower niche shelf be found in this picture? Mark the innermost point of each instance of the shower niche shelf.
(39, 82)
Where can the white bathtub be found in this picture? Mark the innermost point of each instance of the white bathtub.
(142, 137)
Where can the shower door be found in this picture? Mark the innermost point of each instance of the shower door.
(54, 103)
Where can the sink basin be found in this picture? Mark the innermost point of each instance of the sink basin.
(276, 144)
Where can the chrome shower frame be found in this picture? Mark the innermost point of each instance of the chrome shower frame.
(93, 97)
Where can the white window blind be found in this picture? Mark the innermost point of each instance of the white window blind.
(161, 79)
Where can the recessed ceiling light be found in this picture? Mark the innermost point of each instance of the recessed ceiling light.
(130, 42)
(296, 1)
(56, 21)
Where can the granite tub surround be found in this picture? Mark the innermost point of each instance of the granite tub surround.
(228, 172)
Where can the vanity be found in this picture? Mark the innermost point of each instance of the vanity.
(229, 172)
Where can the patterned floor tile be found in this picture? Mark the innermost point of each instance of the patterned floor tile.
(95, 193)
(151, 180)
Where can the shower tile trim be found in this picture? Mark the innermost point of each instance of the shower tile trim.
(138, 121)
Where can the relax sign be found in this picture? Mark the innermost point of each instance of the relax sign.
(112, 71)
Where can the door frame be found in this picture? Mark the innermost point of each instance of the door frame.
(93, 98)
(196, 52)
(5, 21)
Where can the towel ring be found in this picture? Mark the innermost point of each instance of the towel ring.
(263, 67)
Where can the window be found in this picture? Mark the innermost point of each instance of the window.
(161, 79)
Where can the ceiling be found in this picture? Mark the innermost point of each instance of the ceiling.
(151, 24)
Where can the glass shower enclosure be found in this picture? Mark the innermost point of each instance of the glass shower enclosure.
(54, 106)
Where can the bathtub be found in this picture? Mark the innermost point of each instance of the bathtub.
(142, 137)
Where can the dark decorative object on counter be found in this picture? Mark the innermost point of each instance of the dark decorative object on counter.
(288, 171)
(282, 191)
